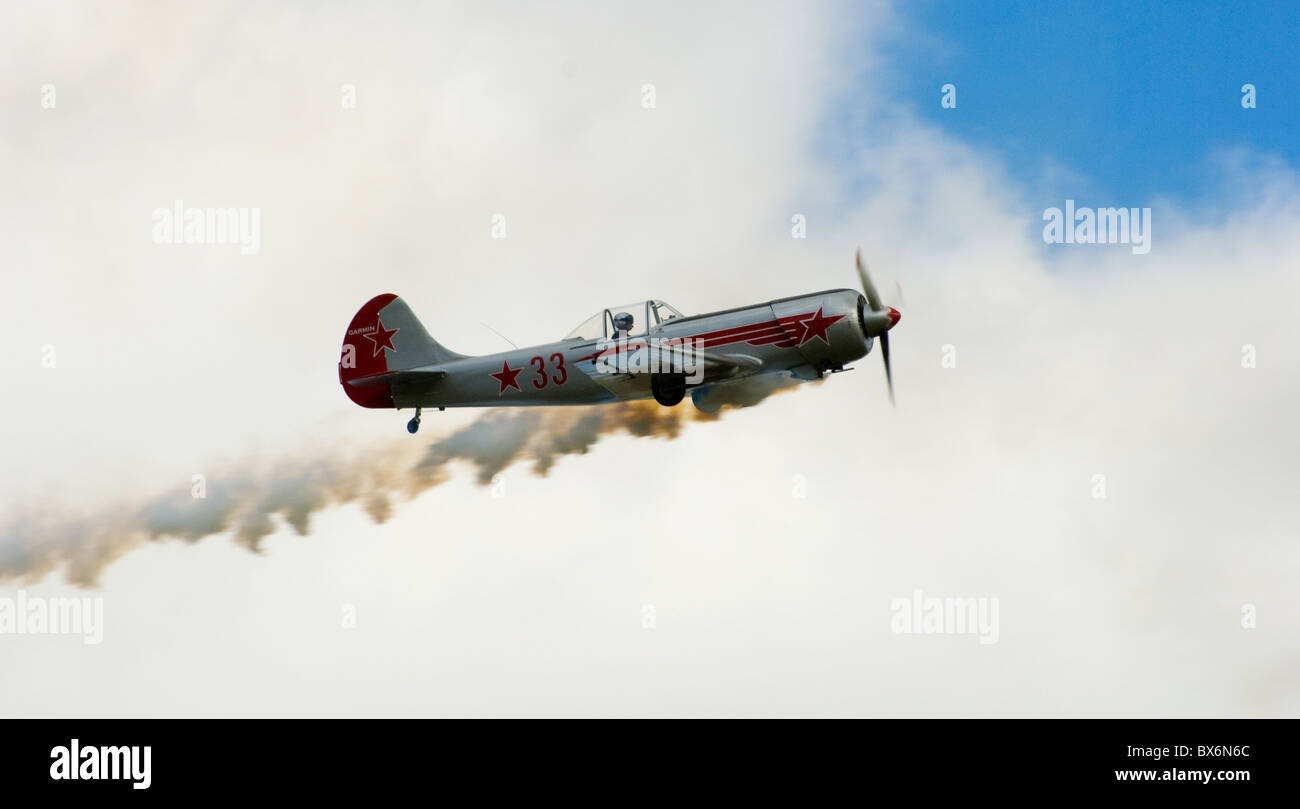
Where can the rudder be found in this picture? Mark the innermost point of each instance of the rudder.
(385, 335)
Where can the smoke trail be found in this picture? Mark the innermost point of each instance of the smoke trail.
(247, 503)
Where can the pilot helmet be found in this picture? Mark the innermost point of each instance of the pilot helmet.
(623, 322)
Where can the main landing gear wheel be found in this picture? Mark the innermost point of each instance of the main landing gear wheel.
(668, 389)
(414, 424)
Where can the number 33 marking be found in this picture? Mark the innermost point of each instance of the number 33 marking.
(542, 380)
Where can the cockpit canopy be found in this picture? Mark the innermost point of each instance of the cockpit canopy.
(607, 322)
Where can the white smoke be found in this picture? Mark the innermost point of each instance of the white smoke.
(253, 501)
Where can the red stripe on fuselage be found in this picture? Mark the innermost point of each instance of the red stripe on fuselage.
(766, 332)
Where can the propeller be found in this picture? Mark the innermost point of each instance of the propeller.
(879, 321)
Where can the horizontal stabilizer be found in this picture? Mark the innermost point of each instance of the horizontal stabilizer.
(397, 378)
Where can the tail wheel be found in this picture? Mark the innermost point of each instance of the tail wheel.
(668, 389)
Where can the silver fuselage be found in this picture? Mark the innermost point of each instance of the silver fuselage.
(804, 336)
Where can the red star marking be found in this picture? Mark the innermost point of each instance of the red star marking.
(816, 326)
(506, 376)
(381, 337)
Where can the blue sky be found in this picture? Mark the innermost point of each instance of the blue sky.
(1131, 100)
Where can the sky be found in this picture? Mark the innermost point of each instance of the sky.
(1130, 98)
(1101, 440)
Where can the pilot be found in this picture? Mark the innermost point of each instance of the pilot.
(622, 325)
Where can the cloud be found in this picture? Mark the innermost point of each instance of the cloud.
(1070, 362)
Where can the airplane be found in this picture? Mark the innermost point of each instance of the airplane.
(390, 361)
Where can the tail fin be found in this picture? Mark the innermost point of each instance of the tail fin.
(385, 336)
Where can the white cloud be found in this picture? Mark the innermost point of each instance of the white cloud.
(979, 483)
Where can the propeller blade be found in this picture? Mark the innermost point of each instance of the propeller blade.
(868, 288)
(873, 298)
(889, 373)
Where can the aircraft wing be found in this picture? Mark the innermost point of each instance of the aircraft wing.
(716, 364)
(719, 365)
(740, 362)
